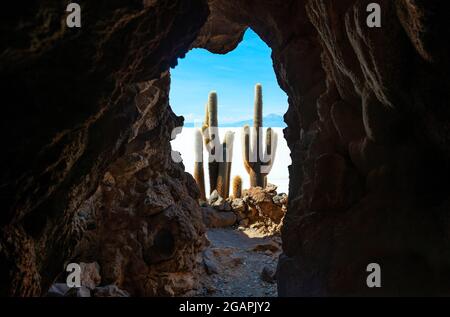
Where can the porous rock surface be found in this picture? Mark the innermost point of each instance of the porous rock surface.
(81, 103)
(367, 128)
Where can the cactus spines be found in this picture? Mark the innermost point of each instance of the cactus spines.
(258, 161)
(269, 153)
(237, 187)
(198, 167)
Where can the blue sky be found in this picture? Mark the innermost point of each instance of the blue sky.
(233, 76)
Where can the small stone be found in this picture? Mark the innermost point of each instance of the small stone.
(244, 223)
(222, 205)
(271, 188)
(237, 261)
(210, 266)
(110, 291)
(217, 219)
(210, 289)
(58, 290)
(218, 202)
(213, 197)
(238, 206)
(83, 292)
(108, 179)
(268, 246)
(280, 199)
(268, 275)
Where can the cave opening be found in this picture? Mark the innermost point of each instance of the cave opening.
(244, 214)
(232, 76)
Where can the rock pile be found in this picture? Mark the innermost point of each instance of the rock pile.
(259, 208)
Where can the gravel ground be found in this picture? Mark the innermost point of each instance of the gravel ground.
(235, 260)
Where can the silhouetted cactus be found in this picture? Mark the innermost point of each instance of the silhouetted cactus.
(237, 187)
(199, 175)
(258, 161)
(219, 155)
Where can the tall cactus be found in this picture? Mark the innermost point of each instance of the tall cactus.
(237, 187)
(199, 175)
(211, 138)
(258, 161)
(219, 155)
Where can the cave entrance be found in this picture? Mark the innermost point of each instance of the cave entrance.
(243, 220)
(233, 77)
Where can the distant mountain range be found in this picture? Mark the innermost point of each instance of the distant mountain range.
(271, 120)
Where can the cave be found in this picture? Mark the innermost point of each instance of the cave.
(86, 129)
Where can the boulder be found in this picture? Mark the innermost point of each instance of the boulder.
(266, 246)
(280, 199)
(239, 207)
(271, 188)
(218, 219)
(262, 206)
(218, 202)
(213, 197)
(268, 275)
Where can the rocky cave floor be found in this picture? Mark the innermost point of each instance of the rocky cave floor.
(243, 243)
(239, 255)
(240, 262)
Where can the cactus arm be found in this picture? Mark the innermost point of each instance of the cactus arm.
(206, 121)
(246, 148)
(270, 151)
(221, 173)
(229, 141)
(205, 126)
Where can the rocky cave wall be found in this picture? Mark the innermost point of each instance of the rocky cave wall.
(367, 124)
(75, 101)
(367, 128)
